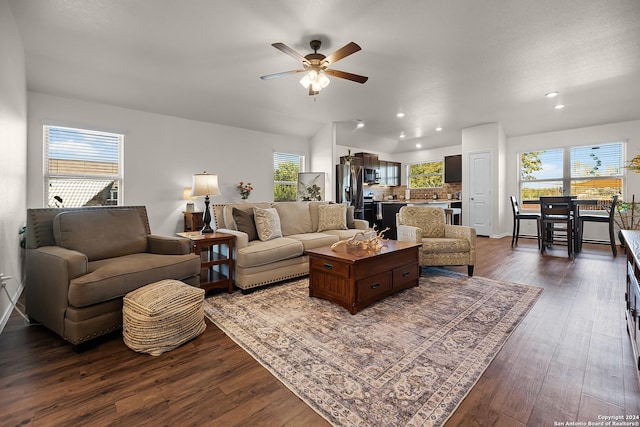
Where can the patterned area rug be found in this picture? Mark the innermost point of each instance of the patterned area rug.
(408, 360)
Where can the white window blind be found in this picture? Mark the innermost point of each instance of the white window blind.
(597, 161)
(82, 167)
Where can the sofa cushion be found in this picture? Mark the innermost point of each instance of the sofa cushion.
(267, 223)
(115, 277)
(343, 234)
(332, 217)
(223, 213)
(315, 240)
(101, 234)
(313, 210)
(245, 223)
(261, 253)
(294, 217)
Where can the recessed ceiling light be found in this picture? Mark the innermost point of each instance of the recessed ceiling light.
(402, 135)
(551, 94)
(438, 129)
(418, 145)
(360, 123)
(558, 106)
(400, 115)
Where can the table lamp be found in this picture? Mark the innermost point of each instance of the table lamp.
(206, 185)
(186, 195)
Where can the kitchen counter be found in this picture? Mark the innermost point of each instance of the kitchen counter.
(419, 201)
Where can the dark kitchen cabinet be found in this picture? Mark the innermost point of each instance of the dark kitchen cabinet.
(453, 168)
(369, 160)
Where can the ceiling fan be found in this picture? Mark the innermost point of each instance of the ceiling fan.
(316, 65)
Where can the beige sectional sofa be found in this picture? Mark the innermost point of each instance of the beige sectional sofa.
(288, 229)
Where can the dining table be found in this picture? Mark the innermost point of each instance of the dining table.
(575, 208)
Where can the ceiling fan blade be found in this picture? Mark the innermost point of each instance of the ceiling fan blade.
(342, 52)
(282, 74)
(349, 76)
(286, 49)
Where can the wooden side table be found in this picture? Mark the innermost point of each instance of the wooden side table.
(212, 260)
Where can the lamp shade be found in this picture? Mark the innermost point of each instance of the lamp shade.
(186, 194)
(205, 184)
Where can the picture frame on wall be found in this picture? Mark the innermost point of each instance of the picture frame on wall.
(311, 186)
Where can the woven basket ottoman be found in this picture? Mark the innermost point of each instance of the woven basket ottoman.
(161, 316)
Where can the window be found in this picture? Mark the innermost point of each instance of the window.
(286, 167)
(541, 174)
(587, 172)
(426, 175)
(597, 171)
(82, 167)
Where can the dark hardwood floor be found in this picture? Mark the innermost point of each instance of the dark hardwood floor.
(569, 360)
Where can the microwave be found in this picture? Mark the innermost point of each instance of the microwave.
(371, 176)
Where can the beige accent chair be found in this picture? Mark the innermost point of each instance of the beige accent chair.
(442, 244)
(81, 262)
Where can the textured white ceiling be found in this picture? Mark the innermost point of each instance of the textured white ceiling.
(444, 63)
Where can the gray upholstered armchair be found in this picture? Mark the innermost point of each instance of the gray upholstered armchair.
(80, 262)
(442, 244)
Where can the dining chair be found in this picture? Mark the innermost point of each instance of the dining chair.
(517, 216)
(590, 217)
(556, 222)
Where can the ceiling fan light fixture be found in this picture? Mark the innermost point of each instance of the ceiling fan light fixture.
(305, 81)
(316, 66)
(323, 80)
(317, 80)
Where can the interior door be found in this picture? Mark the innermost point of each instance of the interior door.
(480, 184)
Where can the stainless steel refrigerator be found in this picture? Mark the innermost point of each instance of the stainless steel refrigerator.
(349, 187)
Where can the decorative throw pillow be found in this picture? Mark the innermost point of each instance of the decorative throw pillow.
(332, 217)
(245, 223)
(351, 211)
(267, 223)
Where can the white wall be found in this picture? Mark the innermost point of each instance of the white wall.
(358, 140)
(161, 153)
(13, 153)
(322, 158)
(628, 132)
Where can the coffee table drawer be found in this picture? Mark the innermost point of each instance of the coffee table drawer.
(374, 286)
(336, 268)
(407, 274)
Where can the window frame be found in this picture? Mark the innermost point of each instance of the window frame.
(51, 133)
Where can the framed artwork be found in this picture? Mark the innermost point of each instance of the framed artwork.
(311, 186)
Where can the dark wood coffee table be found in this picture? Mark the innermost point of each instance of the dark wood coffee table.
(355, 278)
